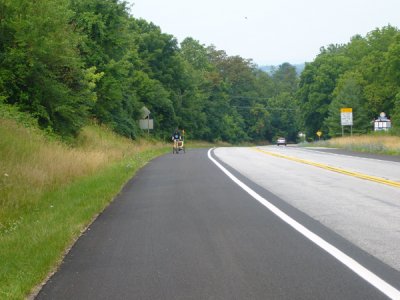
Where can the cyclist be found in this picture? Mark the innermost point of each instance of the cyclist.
(176, 136)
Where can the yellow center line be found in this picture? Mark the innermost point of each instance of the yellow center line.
(333, 169)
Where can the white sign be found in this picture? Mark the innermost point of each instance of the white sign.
(346, 116)
(382, 123)
(146, 124)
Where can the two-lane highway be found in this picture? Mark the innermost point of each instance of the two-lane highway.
(363, 211)
(182, 229)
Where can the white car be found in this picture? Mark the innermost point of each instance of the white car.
(281, 141)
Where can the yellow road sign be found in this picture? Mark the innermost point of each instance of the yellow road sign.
(346, 110)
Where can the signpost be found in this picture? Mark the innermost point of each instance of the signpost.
(346, 119)
(146, 122)
(319, 133)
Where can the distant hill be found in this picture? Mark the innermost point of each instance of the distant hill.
(271, 69)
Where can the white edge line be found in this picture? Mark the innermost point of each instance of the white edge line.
(364, 273)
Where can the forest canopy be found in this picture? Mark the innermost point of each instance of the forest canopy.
(71, 62)
(363, 74)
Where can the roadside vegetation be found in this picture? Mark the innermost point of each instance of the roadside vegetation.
(67, 62)
(363, 74)
(50, 192)
(374, 143)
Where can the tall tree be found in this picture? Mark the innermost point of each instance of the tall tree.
(109, 45)
(317, 82)
(41, 68)
(349, 93)
(377, 69)
(285, 79)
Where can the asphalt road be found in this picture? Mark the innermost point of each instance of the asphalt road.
(364, 212)
(181, 229)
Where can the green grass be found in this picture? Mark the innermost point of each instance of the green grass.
(51, 191)
(34, 243)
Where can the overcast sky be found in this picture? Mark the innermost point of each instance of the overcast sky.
(269, 31)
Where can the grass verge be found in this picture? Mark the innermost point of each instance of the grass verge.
(376, 143)
(50, 192)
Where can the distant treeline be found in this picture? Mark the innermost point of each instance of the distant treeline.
(270, 69)
(71, 61)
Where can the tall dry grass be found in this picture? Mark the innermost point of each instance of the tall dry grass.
(377, 143)
(30, 164)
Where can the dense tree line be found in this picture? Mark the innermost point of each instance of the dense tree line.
(67, 62)
(71, 61)
(363, 74)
